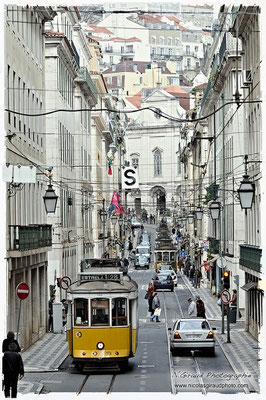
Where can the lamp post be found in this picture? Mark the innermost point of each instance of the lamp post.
(199, 213)
(246, 190)
(50, 199)
(113, 221)
(103, 216)
(215, 208)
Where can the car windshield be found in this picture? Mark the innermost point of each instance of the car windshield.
(165, 268)
(143, 250)
(163, 277)
(192, 325)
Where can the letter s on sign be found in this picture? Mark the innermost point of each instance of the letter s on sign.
(129, 178)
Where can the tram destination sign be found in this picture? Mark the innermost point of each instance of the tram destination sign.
(103, 277)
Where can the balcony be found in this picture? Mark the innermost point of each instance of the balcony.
(87, 85)
(76, 56)
(214, 245)
(250, 257)
(24, 238)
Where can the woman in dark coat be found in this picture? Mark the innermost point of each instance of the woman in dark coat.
(200, 307)
(150, 297)
(10, 339)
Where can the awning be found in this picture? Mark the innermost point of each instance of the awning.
(213, 259)
(249, 286)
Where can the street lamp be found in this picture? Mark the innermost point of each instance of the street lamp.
(103, 216)
(246, 193)
(190, 218)
(215, 208)
(120, 221)
(199, 213)
(113, 219)
(50, 199)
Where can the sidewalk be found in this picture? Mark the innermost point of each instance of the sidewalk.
(46, 355)
(243, 351)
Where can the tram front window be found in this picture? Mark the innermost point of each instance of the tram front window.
(99, 312)
(119, 315)
(81, 312)
(166, 257)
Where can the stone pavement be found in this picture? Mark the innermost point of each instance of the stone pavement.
(46, 355)
(243, 351)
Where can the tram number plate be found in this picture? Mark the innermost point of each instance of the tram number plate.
(101, 277)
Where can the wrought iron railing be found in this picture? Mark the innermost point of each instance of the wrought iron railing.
(29, 237)
(250, 257)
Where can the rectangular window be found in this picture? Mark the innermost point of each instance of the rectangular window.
(187, 49)
(99, 312)
(119, 312)
(81, 312)
(161, 40)
(169, 41)
(14, 97)
(153, 39)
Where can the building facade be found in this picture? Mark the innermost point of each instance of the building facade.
(29, 235)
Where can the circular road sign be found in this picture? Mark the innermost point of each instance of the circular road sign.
(22, 290)
(225, 296)
(221, 262)
(65, 282)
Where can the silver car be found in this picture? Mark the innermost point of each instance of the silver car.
(192, 334)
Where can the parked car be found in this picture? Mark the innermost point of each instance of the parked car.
(142, 261)
(163, 281)
(192, 334)
(167, 269)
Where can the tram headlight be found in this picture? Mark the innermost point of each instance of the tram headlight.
(100, 345)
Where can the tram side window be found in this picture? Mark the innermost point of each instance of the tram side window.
(159, 255)
(81, 312)
(99, 312)
(119, 314)
(172, 256)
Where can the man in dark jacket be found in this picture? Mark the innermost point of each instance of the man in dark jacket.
(200, 307)
(10, 339)
(12, 369)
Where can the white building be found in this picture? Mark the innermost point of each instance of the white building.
(28, 234)
(152, 143)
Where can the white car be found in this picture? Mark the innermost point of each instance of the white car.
(135, 223)
(192, 334)
(167, 269)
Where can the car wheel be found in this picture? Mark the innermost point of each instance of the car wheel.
(174, 352)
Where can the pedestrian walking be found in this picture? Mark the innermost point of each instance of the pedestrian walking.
(234, 298)
(150, 293)
(200, 307)
(130, 245)
(192, 309)
(156, 307)
(125, 265)
(191, 273)
(198, 276)
(12, 369)
(50, 311)
(10, 339)
(64, 311)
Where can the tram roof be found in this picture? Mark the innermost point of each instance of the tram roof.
(127, 285)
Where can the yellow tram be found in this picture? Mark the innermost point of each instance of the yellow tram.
(102, 322)
(165, 252)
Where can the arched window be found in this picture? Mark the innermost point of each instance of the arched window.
(157, 163)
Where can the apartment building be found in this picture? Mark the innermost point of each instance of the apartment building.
(29, 233)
